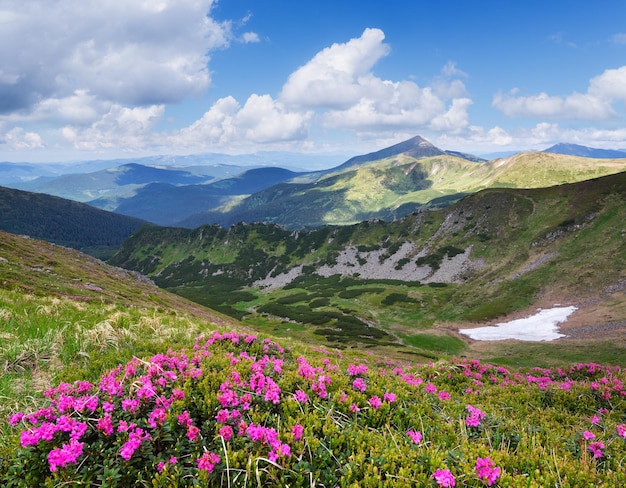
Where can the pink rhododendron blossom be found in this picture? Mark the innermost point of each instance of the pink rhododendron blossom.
(375, 402)
(359, 384)
(226, 432)
(297, 431)
(357, 369)
(390, 397)
(207, 461)
(474, 417)
(444, 396)
(486, 471)
(192, 433)
(105, 424)
(596, 448)
(66, 454)
(588, 435)
(415, 436)
(444, 478)
(301, 396)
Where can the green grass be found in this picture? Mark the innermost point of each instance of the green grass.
(436, 343)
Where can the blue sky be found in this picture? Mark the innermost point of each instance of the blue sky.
(98, 79)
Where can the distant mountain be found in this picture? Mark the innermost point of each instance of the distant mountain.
(65, 222)
(584, 151)
(113, 182)
(402, 181)
(168, 204)
(502, 249)
(385, 184)
(20, 172)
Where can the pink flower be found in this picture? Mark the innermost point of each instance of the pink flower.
(16, 418)
(297, 431)
(595, 420)
(130, 405)
(207, 461)
(415, 436)
(222, 416)
(66, 454)
(596, 449)
(588, 435)
(474, 417)
(357, 369)
(444, 396)
(105, 424)
(354, 408)
(359, 384)
(192, 433)
(430, 388)
(486, 471)
(184, 419)
(375, 402)
(301, 396)
(226, 432)
(444, 478)
(389, 397)
(621, 430)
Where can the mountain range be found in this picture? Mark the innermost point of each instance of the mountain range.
(495, 253)
(584, 151)
(64, 222)
(385, 184)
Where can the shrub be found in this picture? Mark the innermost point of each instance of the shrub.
(238, 410)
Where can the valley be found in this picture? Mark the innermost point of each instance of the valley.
(330, 355)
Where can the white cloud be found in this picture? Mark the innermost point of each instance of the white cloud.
(18, 138)
(250, 37)
(455, 119)
(262, 120)
(576, 106)
(610, 85)
(333, 78)
(122, 127)
(597, 104)
(340, 84)
(135, 52)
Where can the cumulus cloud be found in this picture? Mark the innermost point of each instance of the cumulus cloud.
(261, 120)
(18, 138)
(121, 127)
(135, 52)
(333, 78)
(597, 104)
(340, 84)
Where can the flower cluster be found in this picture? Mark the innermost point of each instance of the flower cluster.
(243, 409)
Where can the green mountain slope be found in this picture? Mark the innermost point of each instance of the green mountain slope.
(107, 380)
(492, 254)
(64, 222)
(396, 185)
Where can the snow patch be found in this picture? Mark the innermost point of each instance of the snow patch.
(537, 328)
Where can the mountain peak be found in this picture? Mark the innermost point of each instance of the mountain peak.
(584, 151)
(416, 147)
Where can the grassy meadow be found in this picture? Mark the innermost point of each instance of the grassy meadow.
(109, 381)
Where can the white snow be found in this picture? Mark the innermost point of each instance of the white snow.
(539, 327)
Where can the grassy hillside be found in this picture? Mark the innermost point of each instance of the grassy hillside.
(64, 222)
(397, 185)
(492, 255)
(126, 406)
